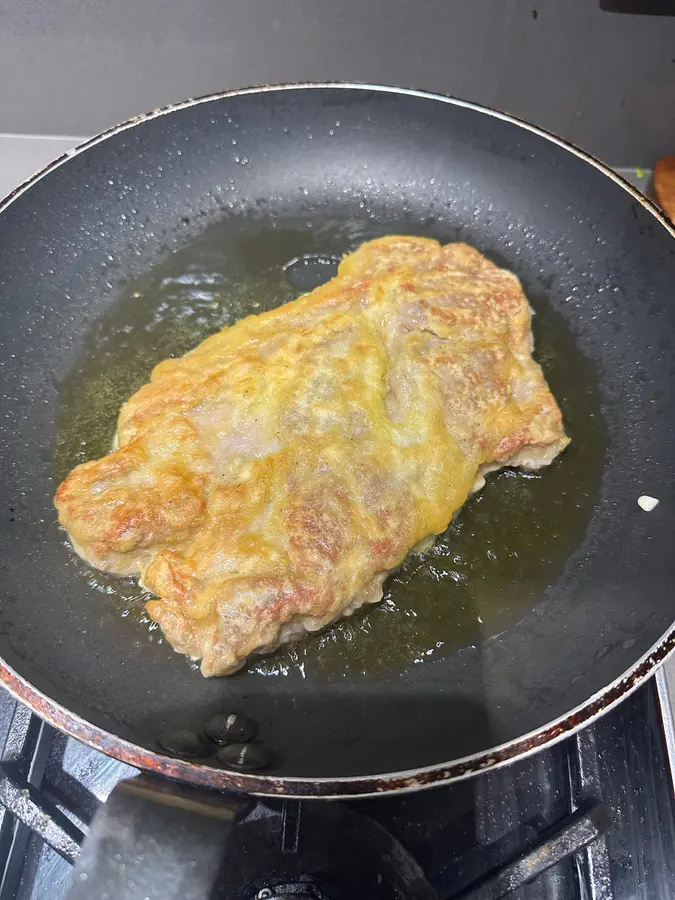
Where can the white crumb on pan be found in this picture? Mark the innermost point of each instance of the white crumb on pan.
(647, 503)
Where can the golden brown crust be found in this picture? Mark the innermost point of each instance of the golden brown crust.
(266, 481)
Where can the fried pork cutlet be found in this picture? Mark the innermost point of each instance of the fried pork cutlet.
(267, 482)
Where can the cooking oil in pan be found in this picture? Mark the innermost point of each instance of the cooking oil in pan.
(492, 564)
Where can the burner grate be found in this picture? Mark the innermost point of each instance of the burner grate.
(53, 785)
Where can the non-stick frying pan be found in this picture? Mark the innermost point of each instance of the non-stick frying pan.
(556, 620)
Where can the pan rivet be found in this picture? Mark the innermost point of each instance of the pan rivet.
(230, 728)
(244, 757)
(185, 744)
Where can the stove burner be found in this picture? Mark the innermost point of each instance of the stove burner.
(154, 838)
(157, 839)
(316, 850)
(304, 889)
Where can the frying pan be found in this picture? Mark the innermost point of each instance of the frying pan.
(261, 176)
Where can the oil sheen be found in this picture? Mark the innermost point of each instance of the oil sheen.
(495, 560)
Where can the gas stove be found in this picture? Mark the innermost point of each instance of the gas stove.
(606, 793)
(612, 784)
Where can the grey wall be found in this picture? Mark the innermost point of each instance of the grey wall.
(605, 81)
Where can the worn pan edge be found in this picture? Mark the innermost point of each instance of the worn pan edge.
(358, 786)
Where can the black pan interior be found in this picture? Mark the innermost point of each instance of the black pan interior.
(325, 168)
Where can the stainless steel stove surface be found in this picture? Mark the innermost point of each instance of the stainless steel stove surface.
(458, 834)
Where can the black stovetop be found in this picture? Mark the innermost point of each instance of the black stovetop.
(457, 833)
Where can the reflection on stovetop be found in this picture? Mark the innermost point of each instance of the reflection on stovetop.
(457, 834)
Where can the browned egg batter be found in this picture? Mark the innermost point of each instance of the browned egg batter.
(267, 482)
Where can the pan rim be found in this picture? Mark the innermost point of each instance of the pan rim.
(347, 786)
